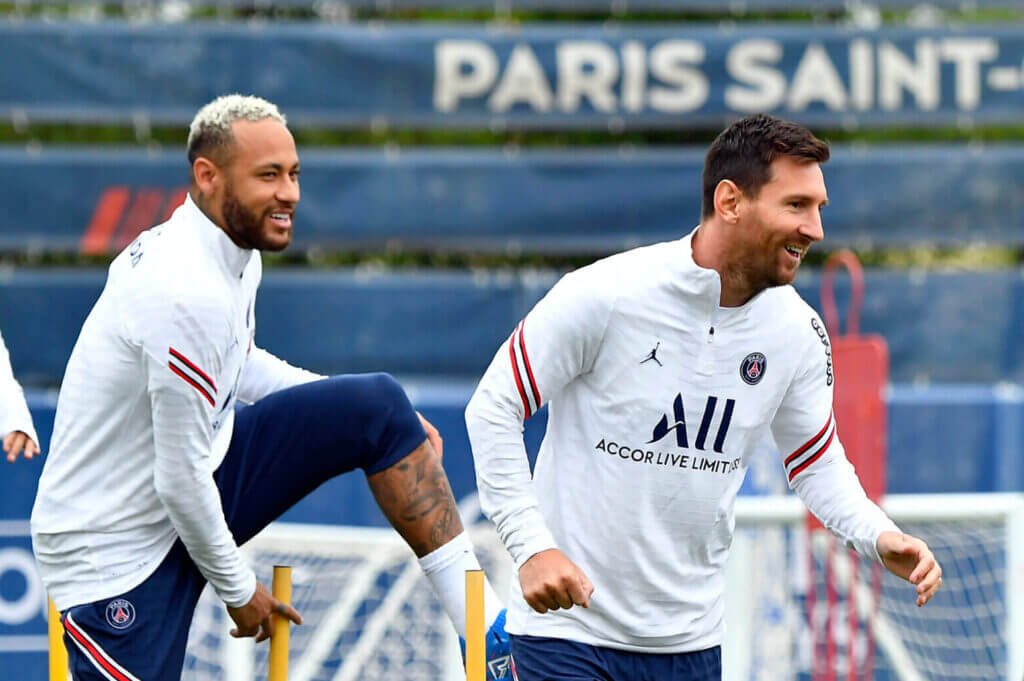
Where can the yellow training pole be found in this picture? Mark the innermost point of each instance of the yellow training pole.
(282, 589)
(476, 662)
(58, 653)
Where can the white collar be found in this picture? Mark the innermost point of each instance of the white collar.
(216, 241)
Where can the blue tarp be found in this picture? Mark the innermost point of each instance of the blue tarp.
(557, 75)
(549, 201)
(940, 326)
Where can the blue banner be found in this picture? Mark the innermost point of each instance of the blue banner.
(528, 76)
(940, 326)
(534, 201)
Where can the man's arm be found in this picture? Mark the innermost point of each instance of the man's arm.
(183, 360)
(19, 434)
(818, 471)
(554, 344)
(264, 373)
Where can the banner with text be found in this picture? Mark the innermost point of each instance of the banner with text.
(531, 76)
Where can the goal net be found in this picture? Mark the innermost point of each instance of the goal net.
(371, 615)
(794, 602)
(368, 611)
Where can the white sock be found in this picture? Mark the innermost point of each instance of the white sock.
(446, 567)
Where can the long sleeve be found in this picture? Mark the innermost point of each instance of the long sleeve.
(14, 413)
(552, 346)
(264, 374)
(816, 466)
(182, 358)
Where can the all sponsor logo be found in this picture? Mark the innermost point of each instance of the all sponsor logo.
(678, 424)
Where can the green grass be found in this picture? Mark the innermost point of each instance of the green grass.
(63, 134)
(962, 258)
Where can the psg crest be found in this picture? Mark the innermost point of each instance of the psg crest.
(120, 613)
(752, 368)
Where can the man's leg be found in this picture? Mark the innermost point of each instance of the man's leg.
(292, 441)
(416, 499)
(139, 635)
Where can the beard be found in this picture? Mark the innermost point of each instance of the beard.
(759, 266)
(247, 225)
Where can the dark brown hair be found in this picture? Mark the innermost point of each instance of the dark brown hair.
(744, 152)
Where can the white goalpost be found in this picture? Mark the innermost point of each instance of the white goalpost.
(370, 614)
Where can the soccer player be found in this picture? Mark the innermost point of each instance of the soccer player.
(154, 480)
(19, 435)
(662, 367)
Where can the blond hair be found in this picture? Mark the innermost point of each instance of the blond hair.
(210, 130)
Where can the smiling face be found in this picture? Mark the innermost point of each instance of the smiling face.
(777, 226)
(251, 191)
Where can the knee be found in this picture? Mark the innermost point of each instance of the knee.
(381, 404)
(391, 428)
(384, 395)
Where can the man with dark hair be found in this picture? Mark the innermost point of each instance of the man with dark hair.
(629, 512)
(153, 481)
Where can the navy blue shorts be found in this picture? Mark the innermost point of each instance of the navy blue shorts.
(282, 448)
(535, 658)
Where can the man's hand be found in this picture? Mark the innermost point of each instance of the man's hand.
(433, 435)
(551, 581)
(253, 618)
(18, 441)
(910, 558)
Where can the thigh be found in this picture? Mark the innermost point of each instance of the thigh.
(537, 658)
(139, 635)
(292, 441)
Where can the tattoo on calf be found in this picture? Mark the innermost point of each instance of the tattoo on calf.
(416, 497)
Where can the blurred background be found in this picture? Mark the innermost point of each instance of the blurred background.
(460, 155)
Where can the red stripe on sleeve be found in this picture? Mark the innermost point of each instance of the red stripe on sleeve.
(526, 361)
(807, 445)
(817, 455)
(515, 374)
(188, 379)
(185, 360)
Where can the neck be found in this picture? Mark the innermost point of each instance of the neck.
(206, 206)
(711, 250)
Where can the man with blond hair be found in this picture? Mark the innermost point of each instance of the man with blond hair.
(153, 480)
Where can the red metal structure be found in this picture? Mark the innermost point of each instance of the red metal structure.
(861, 371)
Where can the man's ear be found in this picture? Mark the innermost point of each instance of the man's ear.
(728, 200)
(207, 175)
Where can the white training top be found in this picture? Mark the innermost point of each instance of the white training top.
(14, 413)
(657, 398)
(145, 416)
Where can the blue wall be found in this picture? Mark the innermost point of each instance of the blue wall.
(940, 326)
(575, 200)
